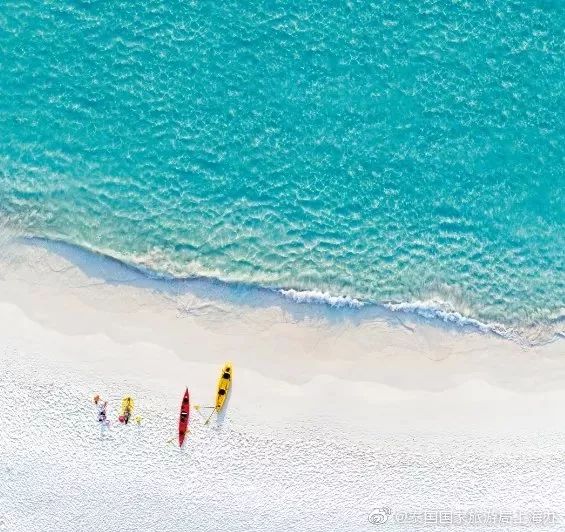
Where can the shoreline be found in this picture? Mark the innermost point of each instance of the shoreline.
(435, 313)
(339, 342)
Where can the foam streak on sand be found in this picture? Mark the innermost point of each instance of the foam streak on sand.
(440, 310)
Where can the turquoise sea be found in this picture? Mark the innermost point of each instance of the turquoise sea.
(409, 154)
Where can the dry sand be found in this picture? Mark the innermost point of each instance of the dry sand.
(334, 412)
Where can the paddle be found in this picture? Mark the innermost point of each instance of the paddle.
(208, 420)
(198, 407)
(175, 437)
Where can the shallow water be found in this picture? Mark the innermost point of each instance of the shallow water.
(404, 154)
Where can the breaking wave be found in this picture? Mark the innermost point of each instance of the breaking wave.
(436, 309)
(314, 296)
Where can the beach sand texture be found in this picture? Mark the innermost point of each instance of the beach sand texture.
(331, 416)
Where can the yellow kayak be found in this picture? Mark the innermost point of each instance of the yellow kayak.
(127, 409)
(224, 383)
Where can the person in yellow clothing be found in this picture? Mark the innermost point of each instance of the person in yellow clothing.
(127, 410)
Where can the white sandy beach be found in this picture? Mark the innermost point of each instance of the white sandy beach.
(333, 413)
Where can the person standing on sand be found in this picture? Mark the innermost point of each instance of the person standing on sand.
(102, 416)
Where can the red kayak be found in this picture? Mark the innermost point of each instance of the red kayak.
(183, 420)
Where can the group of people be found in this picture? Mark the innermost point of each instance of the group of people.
(125, 415)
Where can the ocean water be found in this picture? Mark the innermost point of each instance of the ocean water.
(401, 153)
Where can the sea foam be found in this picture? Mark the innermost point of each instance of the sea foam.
(437, 309)
(315, 296)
